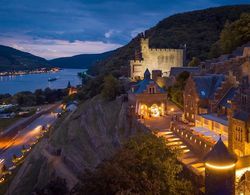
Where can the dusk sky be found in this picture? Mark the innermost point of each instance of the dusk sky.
(56, 28)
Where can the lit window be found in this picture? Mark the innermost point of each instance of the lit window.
(203, 93)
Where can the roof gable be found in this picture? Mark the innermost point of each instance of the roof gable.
(142, 85)
(207, 85)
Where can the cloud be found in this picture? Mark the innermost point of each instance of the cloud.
(83, 23)
(109, 33)
(53, 48)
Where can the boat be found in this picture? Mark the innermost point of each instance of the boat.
(52, 79)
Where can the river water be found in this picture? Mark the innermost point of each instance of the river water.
(31, 82)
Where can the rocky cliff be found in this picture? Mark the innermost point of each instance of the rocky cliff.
(78, 141)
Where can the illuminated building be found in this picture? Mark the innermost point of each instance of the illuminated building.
(220, 170)
(155, 59)
(72, 90)
(206, 94)
(239, 120)
(147, 98)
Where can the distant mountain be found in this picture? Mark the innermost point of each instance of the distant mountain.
(198, 29)
(13, 59)
(80, 61)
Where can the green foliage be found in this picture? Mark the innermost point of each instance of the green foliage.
(91, 88)
(235, 34)
(194, 62)
(111, 88)
(175, 92)
(144, 166)
(39, 97)
(215, 50)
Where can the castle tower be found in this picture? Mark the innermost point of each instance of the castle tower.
(220, 171)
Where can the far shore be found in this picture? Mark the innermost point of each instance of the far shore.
(25, 72)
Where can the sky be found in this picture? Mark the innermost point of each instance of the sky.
(59, 28)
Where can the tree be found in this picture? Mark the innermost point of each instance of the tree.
(194, 62)
(175, 92)
(110, 88)
(235, 34)
(83, 77)
(144, 166)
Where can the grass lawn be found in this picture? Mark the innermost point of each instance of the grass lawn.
(4, 123)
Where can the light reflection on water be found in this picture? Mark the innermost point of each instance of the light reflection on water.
(31, 82)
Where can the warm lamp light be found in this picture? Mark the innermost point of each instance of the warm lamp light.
(220, 167)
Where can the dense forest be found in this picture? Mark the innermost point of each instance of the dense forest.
(199, 30)
(79, 61)
(13, 59)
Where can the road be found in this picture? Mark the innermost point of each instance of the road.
(24, 137)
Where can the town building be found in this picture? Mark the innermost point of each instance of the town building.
(147, 98)
(239, 120)
(155, 59)
(207, 94)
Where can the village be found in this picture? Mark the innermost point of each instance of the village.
(211, 129)
(212, 125)
(215, 113)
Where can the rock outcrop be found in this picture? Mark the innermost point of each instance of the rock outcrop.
(79, 141)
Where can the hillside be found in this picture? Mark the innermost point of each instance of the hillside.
(13, 59)
(80, 61)
(85, 138)
(198, 29)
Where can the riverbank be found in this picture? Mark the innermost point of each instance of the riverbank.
(25, 72)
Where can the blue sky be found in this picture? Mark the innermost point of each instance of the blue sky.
(56, 28)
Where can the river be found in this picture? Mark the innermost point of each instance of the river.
(31, 82)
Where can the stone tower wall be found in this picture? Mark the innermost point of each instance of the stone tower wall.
(157, 59)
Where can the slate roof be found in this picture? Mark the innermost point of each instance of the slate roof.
(241, 115)
(229, 96)
(207, 85)
(175, 71)
(141, 86)
(219, 155)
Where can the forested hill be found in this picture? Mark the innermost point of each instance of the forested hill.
(13, 59)
(198, 29)
(80, 61)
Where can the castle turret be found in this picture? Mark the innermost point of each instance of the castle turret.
(220, 171)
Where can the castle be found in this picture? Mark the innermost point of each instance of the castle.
(155, 59)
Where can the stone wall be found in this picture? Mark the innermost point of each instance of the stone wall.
(156, 59)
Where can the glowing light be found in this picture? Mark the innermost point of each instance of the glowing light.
(155, 110)
(2, 180)
(186, 150)
(172, 109)
(173, 139)
(220, 167)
